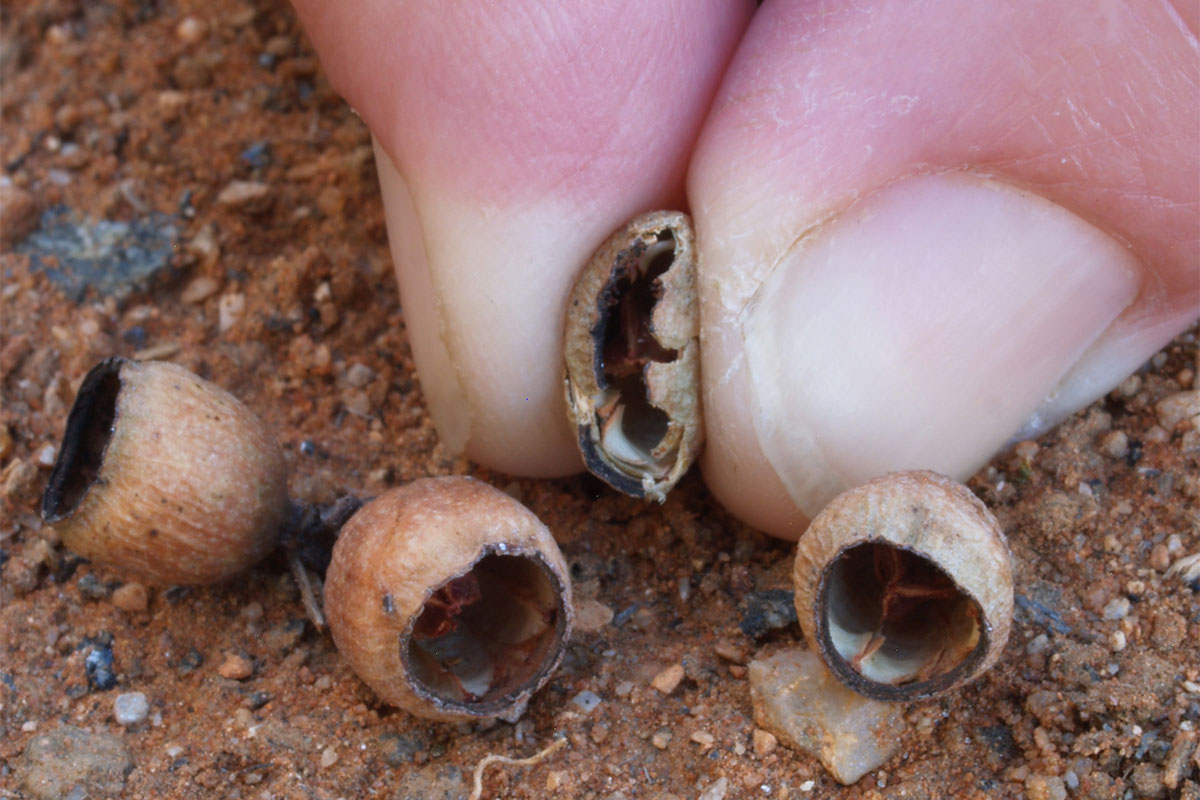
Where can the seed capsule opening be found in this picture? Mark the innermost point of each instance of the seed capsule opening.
(485, 636)
(632, 364)
(89, 429)
(631, 428)
(894, 625)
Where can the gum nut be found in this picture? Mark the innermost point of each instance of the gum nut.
(631, 343)
(449, 599)
(165, 477)
(904, 585)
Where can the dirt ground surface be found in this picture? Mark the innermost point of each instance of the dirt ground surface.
(181, 183)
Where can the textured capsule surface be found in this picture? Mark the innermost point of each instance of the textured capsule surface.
(165, 477)
(449, 599)
(904, 586)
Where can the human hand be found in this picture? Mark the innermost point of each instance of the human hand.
(923, 229)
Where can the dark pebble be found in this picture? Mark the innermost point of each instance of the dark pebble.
(114, 257)
(1000, 739)
(92, 588)
(66, 568)
(191, 661)
(623, 616)
(1042, 614)
(177, 593)
(763, 612)
(98, 665)
(258, 699)
(135, 336)
(257, 155)
(186, 209)
(399, 749)
(1134, 454)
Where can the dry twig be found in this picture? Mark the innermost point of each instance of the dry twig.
(490, 759)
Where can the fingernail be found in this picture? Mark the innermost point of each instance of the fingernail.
(482, 291)
(921, 327)
(444, 393)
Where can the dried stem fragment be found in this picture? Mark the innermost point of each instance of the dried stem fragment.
(492, 758)
(632, 356)
(904, 586)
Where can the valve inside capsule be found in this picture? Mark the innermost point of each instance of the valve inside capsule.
(897, 623)
(631, 428)
(483, 636)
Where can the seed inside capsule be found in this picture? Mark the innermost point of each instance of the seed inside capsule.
(631, 354)
(484, 636)
(896, 618)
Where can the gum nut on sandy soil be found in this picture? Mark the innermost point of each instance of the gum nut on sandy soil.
(449, 599)
(165, 477)
(632, 349)
(904, 586)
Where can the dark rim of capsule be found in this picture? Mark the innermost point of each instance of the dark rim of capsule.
(90, 426)
(485, 638)
(930, 630)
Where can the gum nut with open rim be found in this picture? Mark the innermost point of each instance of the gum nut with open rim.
(449, 599)
(904, 586)
(165, 476)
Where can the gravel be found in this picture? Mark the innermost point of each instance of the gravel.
(799, 701)
(763, 612)
(587, 701)
(668, 680)
(98, 665)
(72, 762)
(130, 708)
(115, 258)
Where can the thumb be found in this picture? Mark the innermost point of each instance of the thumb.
(511, 139)
(917, 243)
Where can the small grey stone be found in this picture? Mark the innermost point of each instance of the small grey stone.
(796, 698)
(1117, 608)
(59, 762)
(92, 588)
(116, 258)
(359, 375)
(586, 701)
(285, 636)
(257, 700)
(130, 708)
(715, 790)
(400, 749)
(763, 612)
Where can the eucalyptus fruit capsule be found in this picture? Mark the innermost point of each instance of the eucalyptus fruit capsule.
(165, 477)
(904, 586)
(449, 599)
(632, 349)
